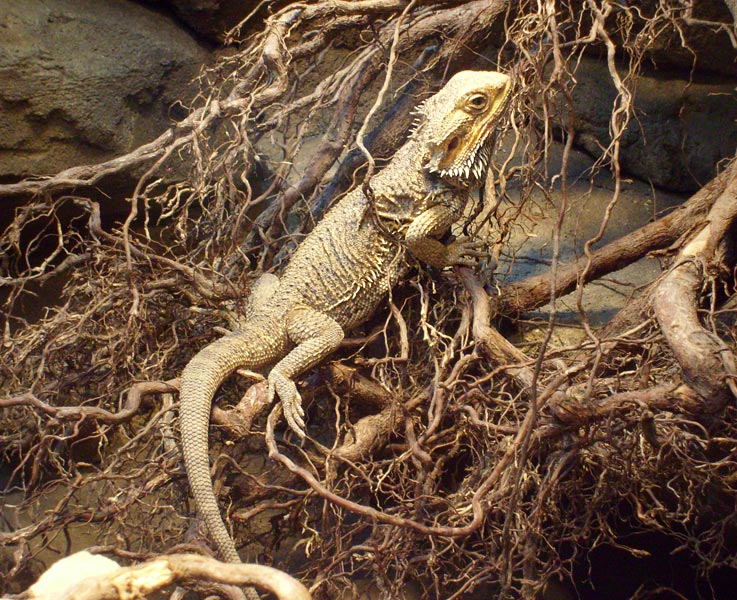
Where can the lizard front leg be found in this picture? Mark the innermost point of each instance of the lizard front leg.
(435, 221)
(316, 335)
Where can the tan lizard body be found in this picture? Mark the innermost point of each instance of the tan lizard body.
(345, 267)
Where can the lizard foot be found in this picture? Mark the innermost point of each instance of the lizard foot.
(280, 385)
(466, 251)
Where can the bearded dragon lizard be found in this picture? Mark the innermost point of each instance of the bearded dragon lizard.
(346, 266)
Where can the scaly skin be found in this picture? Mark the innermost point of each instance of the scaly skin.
(345, 267)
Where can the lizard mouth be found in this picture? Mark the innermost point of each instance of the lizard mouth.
(451, 149)
(475, 163)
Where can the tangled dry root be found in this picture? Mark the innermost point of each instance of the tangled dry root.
(441, 453)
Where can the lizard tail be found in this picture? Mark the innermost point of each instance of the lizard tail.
(200, 380)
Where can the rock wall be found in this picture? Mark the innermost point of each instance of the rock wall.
(682, 129)
(82, 81)
(211, 19)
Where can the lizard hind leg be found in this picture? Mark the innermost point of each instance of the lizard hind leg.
(316, 335)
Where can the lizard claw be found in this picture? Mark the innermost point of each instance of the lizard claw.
(280, 385)
(465, 251)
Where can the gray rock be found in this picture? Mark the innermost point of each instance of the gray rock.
(82, 81)
(681, 132)
(703, 44)
(211, 19)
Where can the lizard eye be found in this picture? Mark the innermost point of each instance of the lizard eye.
(478, 102)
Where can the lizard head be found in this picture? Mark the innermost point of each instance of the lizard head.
(456, 125)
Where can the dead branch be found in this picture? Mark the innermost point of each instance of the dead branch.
(501, 352)
(708, 364)
(141, 581)
(78, 413)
